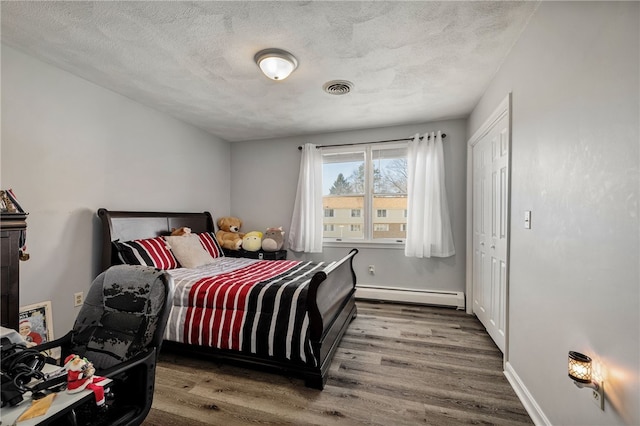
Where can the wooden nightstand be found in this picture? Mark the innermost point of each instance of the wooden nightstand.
(260, 254)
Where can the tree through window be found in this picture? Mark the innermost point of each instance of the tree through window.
(365, 178)
(341, 186)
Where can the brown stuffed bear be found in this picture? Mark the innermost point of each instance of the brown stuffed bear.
(183, 230)
(229, 235)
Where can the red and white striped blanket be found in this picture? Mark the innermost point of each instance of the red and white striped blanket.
(254, 306)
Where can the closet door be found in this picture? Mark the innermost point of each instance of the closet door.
(490, 229)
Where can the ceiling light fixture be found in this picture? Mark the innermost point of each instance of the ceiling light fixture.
(276, 64)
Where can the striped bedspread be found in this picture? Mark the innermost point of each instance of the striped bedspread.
(254, 306)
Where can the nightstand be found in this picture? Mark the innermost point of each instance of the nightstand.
(260, 254)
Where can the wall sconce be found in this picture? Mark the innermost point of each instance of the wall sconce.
(276, 64)
(581, 372)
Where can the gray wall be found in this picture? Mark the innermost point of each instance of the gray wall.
(574, 277)
(264, 176)
(70, 147)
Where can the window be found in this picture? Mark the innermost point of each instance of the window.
(328, 228)
(362, 184)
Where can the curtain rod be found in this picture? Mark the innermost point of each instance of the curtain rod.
(444, 135)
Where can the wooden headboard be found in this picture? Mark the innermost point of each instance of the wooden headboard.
(126, 226)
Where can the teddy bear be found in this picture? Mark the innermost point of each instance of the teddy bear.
(273, 239)
(252, 241)
(229, 235)
(183, 230)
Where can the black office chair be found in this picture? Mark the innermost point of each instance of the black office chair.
(119, 329)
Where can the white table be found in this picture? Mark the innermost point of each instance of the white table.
(62, 403)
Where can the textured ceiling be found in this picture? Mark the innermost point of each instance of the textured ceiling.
(410, 62)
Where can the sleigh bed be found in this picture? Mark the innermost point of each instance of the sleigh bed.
(284, 316)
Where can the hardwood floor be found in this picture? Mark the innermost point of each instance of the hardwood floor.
(396, 365)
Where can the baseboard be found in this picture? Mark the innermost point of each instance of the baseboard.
(530, 404)
(406, 295)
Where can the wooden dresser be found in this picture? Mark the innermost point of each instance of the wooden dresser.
(11, 224)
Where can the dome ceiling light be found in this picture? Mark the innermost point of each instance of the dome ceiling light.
(276, 64)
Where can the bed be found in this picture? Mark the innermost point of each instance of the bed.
(289, 320)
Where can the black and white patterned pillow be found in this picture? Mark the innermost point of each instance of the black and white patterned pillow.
(210, 244)
(148, 252)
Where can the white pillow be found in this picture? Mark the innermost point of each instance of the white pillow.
(189, 251)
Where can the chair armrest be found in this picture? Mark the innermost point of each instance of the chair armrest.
(63, 342)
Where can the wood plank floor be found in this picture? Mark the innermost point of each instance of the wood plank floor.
(396, 365)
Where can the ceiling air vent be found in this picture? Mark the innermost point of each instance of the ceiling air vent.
(338, 87)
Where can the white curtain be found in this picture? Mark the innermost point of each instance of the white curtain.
(306, 224)
(428, 224)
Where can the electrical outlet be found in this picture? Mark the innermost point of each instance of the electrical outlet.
(372, 269)
(597, 396)
(78, 298)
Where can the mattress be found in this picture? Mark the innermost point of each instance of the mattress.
(245, 305)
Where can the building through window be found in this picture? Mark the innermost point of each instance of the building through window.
(365, 192)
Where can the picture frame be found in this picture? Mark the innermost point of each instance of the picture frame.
(35, 323)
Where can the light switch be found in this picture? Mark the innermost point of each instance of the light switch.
(527, 219)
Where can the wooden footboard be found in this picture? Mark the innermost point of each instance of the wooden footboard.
(330, 297)
(328, 291)
(331, 307)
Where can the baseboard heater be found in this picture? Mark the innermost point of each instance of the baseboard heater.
(407, 295)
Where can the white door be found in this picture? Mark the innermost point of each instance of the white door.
(490, 229)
